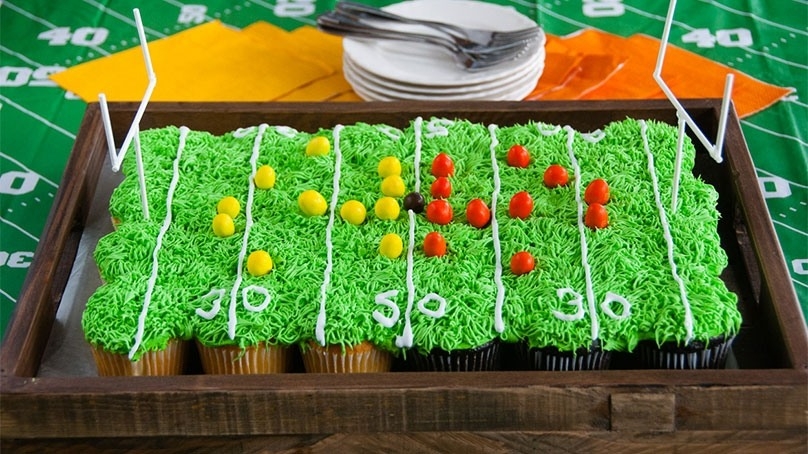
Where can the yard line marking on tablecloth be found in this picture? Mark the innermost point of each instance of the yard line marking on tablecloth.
(689, 28)
(27, 169)
(778, 176)
(801, 2)
(798, 282)
(777, 134)
(3, 292)
(794, 229)
(38, 117)
(21, 230)
(755, 17)
(180, 5)
(271, 7)
(121, 17)
(794, 99)
(44, 22)
(20, 56)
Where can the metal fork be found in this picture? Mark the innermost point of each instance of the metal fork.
(472, 57)
(463, 35)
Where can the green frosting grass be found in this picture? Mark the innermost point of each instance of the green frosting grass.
(629, 258)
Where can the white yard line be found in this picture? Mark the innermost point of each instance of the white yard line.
(45, 23)
(755, 17)
(794, 229)
(20, 229)
(3, 292)
(798, 282)
(774, 133)
(20, 56)
(38, 117)
(27, 169)
(778, 176)
(121, 17)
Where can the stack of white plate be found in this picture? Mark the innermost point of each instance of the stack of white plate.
(387, 70)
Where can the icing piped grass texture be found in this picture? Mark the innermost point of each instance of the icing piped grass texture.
(623, 293)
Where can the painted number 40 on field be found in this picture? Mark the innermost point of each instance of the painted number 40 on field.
(82, 36)
(733, 37)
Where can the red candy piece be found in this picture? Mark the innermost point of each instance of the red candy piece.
(434, 245)
(522, 263)
(478, 213)
(441, 188)
(556, 176)
(439, 211)
(521, 205)
(518, 156)
(597, 192)
(596, 217)
(442, 166)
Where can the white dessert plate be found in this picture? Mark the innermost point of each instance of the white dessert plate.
(421, 64)
(369, 91)
(516, 76)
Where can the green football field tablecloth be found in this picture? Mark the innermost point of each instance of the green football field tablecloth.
(39, 120)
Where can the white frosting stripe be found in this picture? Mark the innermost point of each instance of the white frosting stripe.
(406, 338)
(172, 187)
(319, 330)
(419, 122)
(666, 232)
(231, 314)
(590, 293)
(499, 325)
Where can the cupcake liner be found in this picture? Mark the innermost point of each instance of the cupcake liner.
(482, 358)
(234, 360)
(696, 355)
(170, 361)
(360, 358)
(553, 359)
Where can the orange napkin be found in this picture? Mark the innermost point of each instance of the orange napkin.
(687, 74)
(570, 73)
(210, 62)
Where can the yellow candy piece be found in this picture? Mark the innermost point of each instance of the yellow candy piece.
(312, 203)
(353, 211)
(391, 246)
(318, 146)
(387, 209)
(259, 263)
(393, 186)
(223, 225)
(228, 205)
(389, 166)
(265, 177)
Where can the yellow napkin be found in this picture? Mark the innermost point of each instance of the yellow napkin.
(308, 43)
(210, 62)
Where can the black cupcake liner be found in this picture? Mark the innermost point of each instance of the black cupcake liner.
(553, 359)
(696, 355)
(482, 358)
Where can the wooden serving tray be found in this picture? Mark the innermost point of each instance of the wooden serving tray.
(766, 393)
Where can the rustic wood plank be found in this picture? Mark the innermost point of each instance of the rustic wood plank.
(706, 442)
(643, 412)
